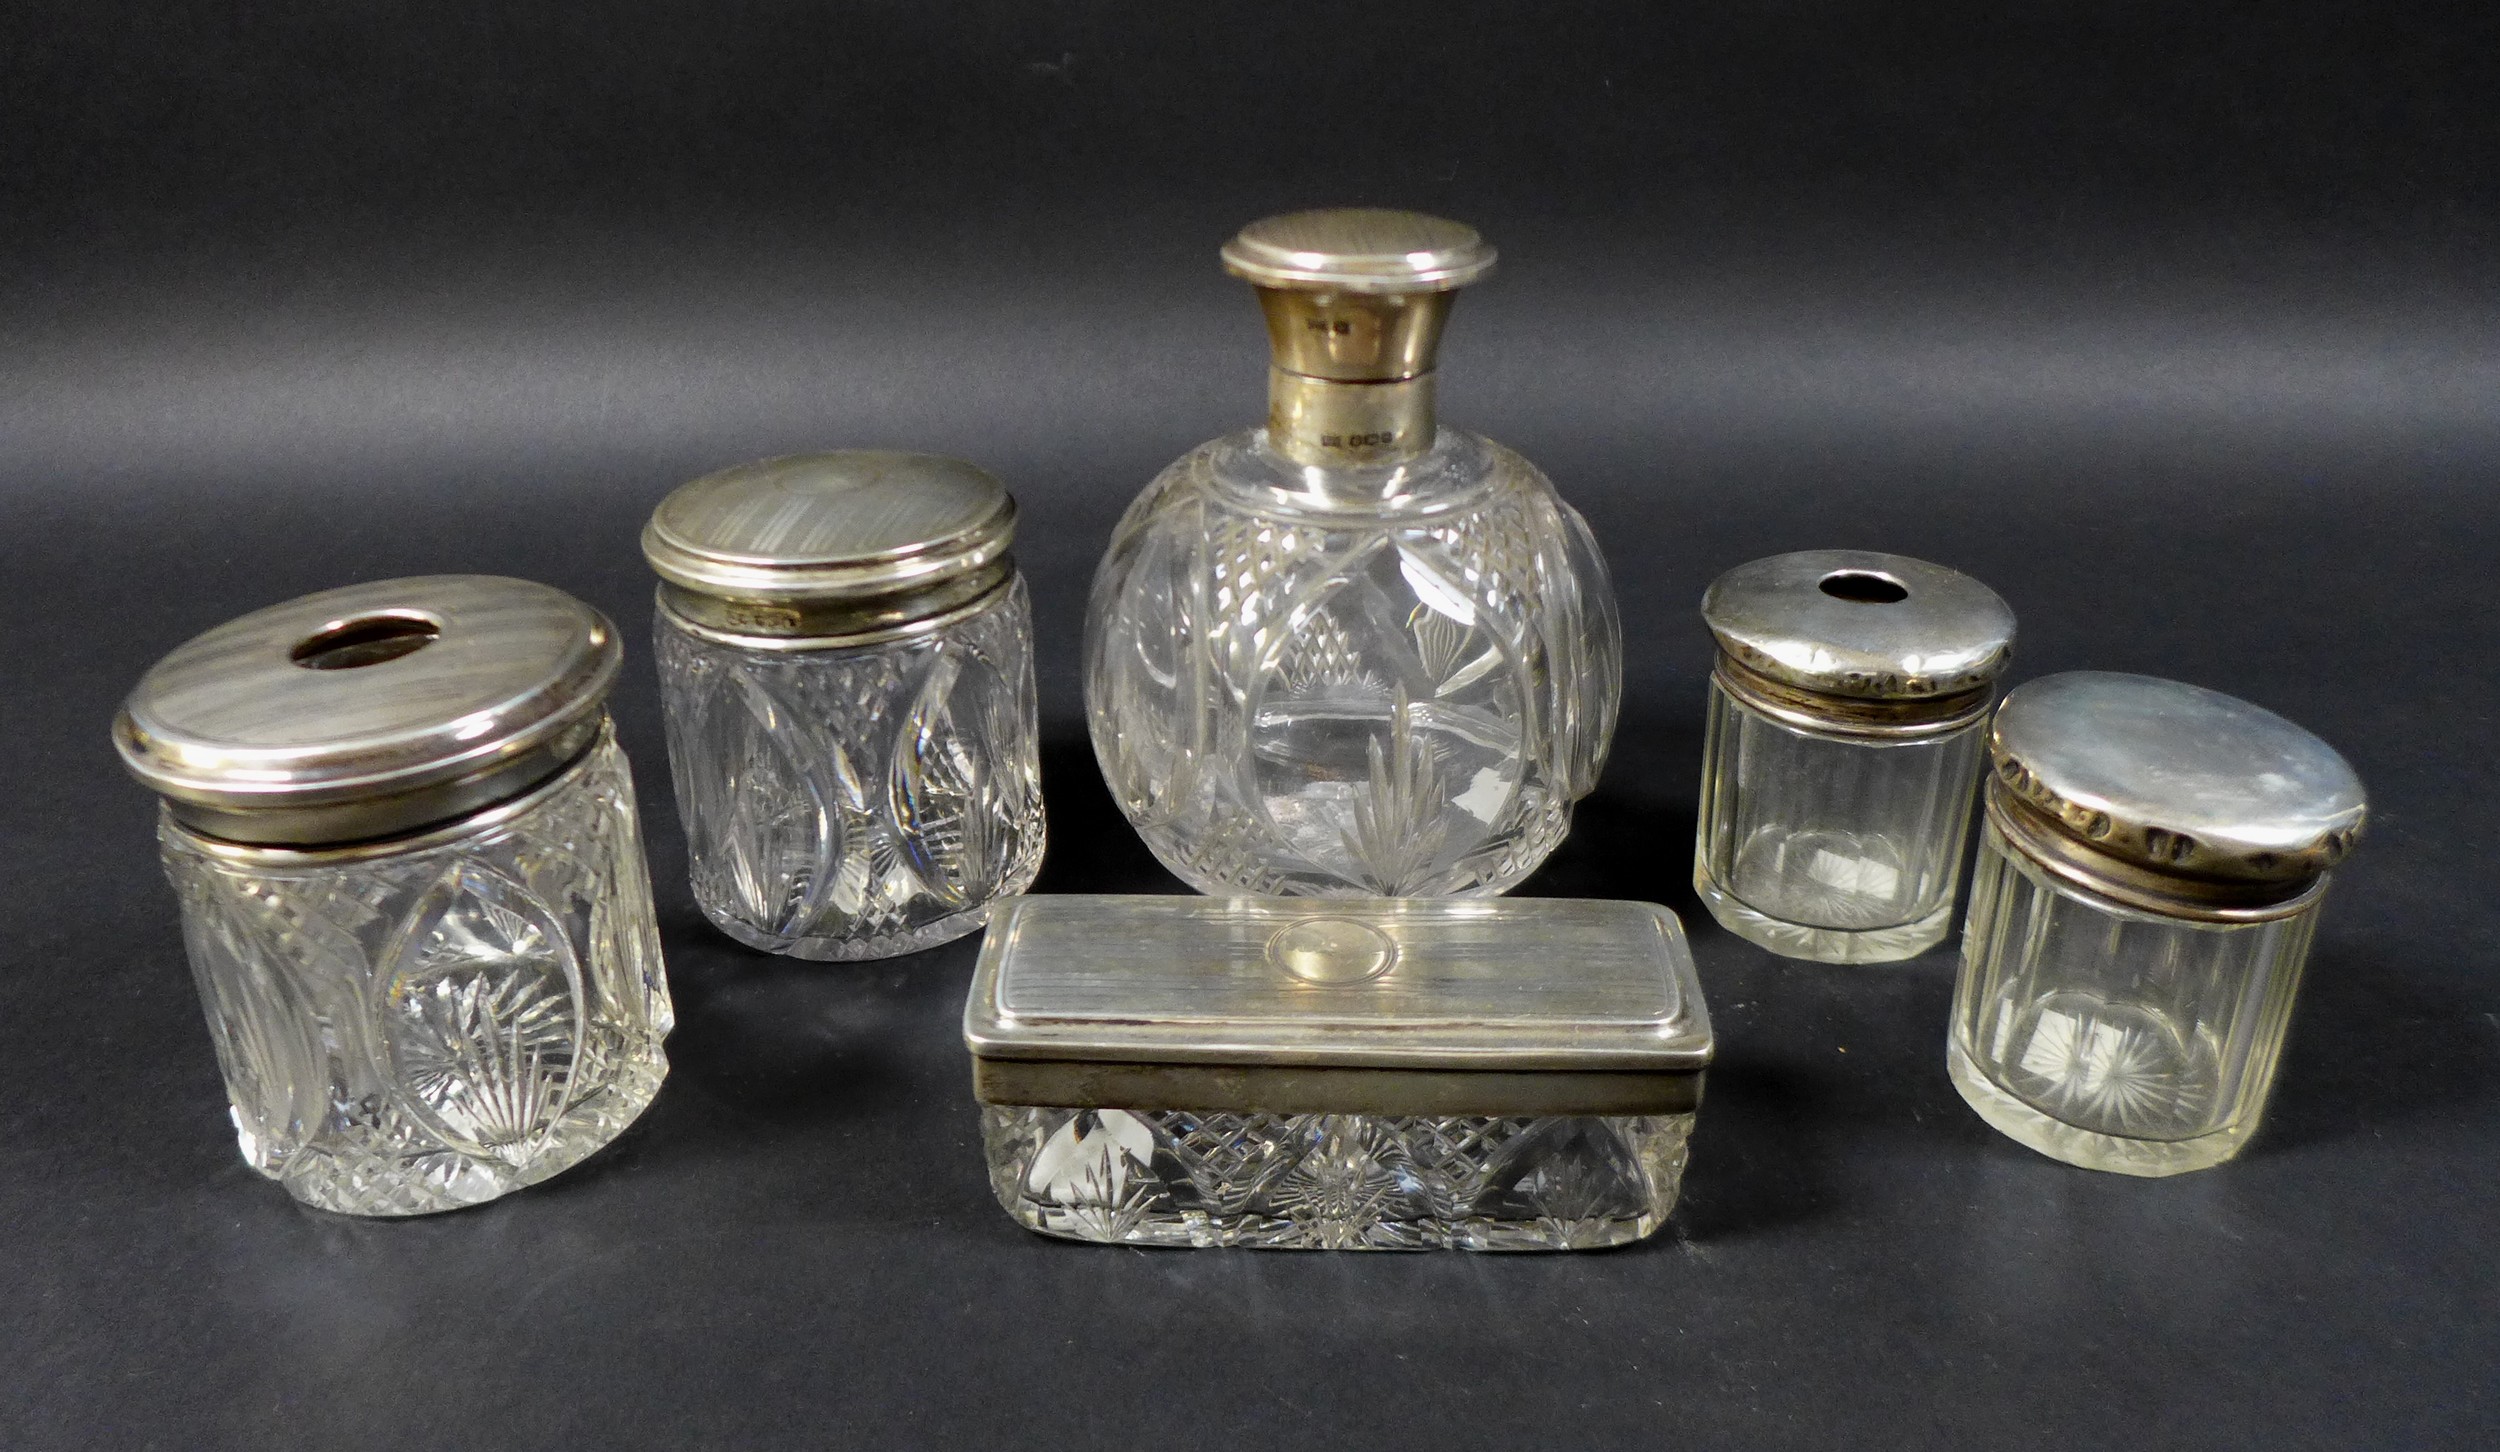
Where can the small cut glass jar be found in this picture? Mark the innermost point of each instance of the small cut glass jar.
(1368, 1074)
(412, 886)
(846, 662)
(2149, 879)
(1848, 711)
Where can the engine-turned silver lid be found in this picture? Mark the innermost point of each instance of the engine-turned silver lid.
(2156, 789)
(831, 544)
(370, 711)
(1834, 637)
(1342, 1005)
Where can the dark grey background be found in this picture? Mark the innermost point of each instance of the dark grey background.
(2177, 323)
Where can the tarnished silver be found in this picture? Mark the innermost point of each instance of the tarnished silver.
(370, 711)
(1857, 640)
(2170, 796)
(835, 546)
(1350, 1006)
(1355, 301)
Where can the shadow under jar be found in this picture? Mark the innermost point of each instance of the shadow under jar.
(1847, 727)
(412, 886)
(2149, 880)
(1360, 1074)
(846, 663)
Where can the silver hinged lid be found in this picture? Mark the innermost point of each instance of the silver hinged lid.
(2174, 780)
(1861, 625)
(786, 536)
(372, 710)
(1342, 1005)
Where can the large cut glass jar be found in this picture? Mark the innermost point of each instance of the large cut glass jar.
(1353, 651)
(2149, 879)
(846, 661)
(412, 886)
(1848, 713)
(1364, 1074)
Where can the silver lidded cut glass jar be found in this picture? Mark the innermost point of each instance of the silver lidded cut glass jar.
(1365, 1074)
(2149, 879)
(412, 885)
(1353, 652)
(1848, 712)
(846, 660)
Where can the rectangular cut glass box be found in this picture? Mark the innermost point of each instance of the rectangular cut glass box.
(1364, 1074)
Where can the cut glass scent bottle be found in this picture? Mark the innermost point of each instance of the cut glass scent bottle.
(1352, 652)
(1365, 1074)
(412, 886)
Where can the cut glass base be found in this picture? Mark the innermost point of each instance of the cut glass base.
(1822, 945)
(876, 946)
(1335, 1181)
(2092, 1150)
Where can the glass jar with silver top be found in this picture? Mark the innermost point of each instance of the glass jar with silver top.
(412, 885)
(1354, 1074)
(846, 662)
(1847, 716)
(2149, 879)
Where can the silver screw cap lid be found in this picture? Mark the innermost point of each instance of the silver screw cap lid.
(848, 525)
(2176, 778)
(1859, 624)
(1359, 249)
(370, 711)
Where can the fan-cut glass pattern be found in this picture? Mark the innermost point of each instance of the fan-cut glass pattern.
(417, 1031)
(1336, 1181)
(1300, 695)
(2113, 1038)
(857, 802)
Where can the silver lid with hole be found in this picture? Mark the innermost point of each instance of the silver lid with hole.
(831, 543)
(1359, 249)
(372, 710)
(2128, 778)
(1861, 625)
(1341, 1005)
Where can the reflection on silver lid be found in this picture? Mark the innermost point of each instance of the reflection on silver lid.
(839, 525)
(1430, 983)
(2176, 778)
(370, 710)
(1860, 624)
(1359, 249)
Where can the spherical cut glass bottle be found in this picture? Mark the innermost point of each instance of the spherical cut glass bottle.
(1353, 652)
(846, 660)
(2149, 880)
(412, 885)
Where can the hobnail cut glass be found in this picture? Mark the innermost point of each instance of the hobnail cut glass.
(1834, 848)
(2113, 1038)
(1392, 681)
(409, 1031)
(1335, 1181)
(858, 802)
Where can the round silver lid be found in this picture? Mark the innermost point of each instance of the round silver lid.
(846, 525)
(1359, 249)
(1859, 624)
(2176, 778)
(372, 710)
